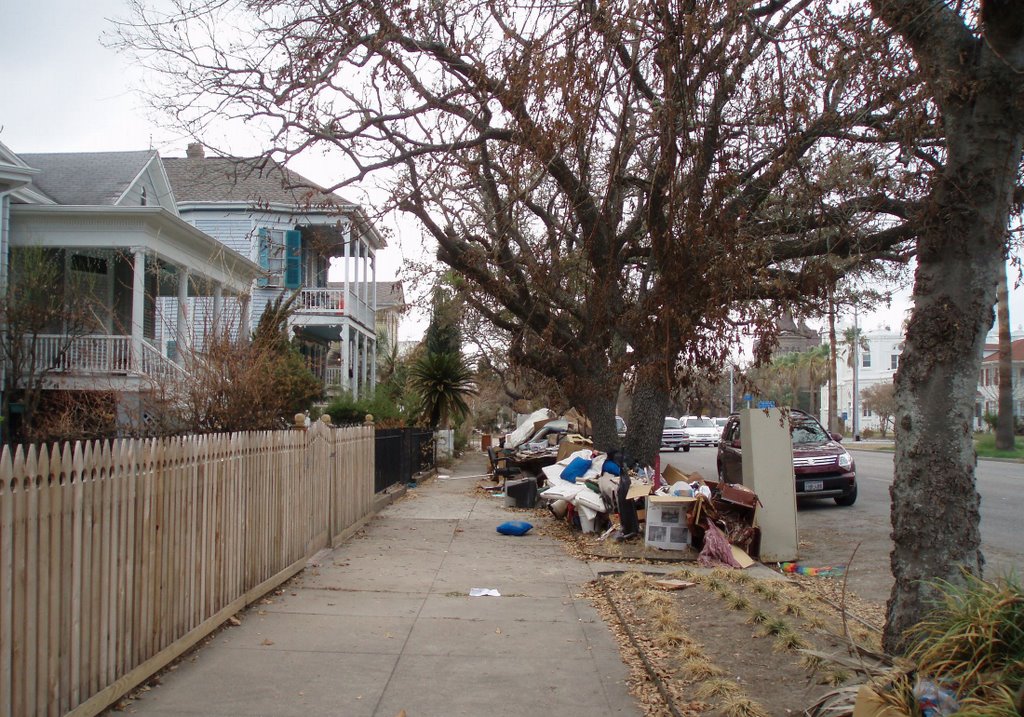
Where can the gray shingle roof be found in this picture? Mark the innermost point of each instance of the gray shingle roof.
(86, 178)
(256, 182)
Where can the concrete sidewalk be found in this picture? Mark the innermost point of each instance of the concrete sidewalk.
(385, 623)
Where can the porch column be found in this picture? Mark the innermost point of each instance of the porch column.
(181, 336)
(347, 256)
(353, 365)
(373, 364)
(245, 318)
(345, 363)
(138, 306)
(218, 309)
(359, 286)
(366, 351)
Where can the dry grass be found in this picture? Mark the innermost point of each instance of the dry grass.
(717, 688)
(737, 601)
(742, 707)
(790, 641)
(700, 668)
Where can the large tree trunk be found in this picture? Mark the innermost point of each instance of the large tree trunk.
(647, 419)
(960, 255)
(594, 389)
(600, 409)
(1004, 422)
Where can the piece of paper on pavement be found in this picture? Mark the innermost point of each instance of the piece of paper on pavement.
(482, 592)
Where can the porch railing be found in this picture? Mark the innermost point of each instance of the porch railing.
(98, 354)
(333, 376)
(334, 302)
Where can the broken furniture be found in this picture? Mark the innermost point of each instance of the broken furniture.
(500, 469)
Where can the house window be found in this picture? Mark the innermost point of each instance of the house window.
(865, 360)
(894, 361)
(144, 201)
(280, 256)
(865, 412)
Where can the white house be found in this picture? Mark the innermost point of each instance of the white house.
(295, 230)
(109, 220)
(877, 363)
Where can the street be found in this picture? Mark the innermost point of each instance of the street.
(829, 534)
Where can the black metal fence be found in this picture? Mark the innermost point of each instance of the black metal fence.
(400, 453)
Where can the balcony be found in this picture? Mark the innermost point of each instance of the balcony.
(323, 307)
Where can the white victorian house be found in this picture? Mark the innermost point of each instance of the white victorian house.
(110, 223)
(876, 362)
(295, 231)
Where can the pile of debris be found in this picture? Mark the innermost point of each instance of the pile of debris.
(671, 511)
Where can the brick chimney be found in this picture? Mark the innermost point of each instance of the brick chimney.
(195, 151)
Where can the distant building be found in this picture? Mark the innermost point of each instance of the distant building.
(877, 363)
(795, 337)
(988, 381)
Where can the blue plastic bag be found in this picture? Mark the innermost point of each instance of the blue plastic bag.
(514, 527)
(576, 468)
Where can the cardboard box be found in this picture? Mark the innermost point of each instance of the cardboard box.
(666, 525)
(671, 474)
(869, 704)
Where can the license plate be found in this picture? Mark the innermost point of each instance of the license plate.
(813, 485)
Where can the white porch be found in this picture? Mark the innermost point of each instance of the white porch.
(117, 262)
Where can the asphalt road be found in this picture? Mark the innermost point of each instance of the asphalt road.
(829, 534)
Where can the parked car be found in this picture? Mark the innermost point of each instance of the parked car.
(620, 427)
(673, 436)
(701, 429)
(822, 467)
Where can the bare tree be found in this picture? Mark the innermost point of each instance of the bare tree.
(40, 328)
(880, 398)
(633, 186)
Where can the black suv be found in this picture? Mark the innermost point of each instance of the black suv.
(823, 468)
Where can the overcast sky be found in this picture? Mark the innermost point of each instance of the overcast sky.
(65, 92)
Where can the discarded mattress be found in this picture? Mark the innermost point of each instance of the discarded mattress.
(526, 429)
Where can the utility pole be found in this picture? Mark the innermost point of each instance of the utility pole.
(732, 407)
(856, 371)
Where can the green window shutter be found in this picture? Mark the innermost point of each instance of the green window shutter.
(293, 259)
(264, 254)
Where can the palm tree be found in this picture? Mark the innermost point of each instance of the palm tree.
(442, 381)
(854, 342)
(815, 365)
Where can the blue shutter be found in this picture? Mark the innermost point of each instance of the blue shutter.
(264, 254)
(292, 259)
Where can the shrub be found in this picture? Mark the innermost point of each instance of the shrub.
(386, 413)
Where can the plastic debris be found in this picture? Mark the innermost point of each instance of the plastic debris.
(483, 592)
(935, 700)
(515, 527)
(828, 571)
